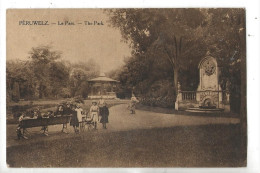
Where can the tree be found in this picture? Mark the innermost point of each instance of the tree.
(174, 32)
(42, 75)
(42, 58)
(80, 73)
(227, 26)
(19, 80)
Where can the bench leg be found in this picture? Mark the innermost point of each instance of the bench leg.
(45, 131)
(23, 135)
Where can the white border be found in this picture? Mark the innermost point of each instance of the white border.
(253, 66)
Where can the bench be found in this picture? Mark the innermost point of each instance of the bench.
(44, 122)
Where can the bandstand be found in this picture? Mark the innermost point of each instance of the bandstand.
(103, 86)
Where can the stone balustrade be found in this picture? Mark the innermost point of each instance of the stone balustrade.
(188, 95)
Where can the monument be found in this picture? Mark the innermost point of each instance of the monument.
(209, 96)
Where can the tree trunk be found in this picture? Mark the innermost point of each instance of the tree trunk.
(40, 91)
(175, 73)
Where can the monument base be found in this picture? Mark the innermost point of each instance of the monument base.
(205, 110)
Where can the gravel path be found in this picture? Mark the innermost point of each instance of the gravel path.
(121, 119)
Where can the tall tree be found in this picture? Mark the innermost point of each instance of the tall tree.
(227, 39)
(175, 32)
(41, 60)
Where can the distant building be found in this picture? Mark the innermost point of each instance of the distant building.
(103, 86)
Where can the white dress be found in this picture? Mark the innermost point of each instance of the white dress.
(79, 114)
(94, 113)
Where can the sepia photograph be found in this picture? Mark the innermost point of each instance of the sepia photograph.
(126, 88)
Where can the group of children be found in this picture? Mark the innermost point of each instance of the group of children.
(98, 113)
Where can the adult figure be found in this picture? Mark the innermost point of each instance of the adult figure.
(74, 119)
(94, 111)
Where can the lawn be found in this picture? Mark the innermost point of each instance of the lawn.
(191, 146)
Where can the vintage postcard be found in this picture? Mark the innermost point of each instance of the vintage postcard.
(126, 87)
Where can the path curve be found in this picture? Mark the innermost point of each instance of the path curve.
(121, 119)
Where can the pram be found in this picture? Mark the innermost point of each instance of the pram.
(89, 121)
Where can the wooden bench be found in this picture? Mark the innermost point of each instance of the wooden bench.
(43, 122)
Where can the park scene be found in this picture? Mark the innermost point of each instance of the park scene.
(126, 88)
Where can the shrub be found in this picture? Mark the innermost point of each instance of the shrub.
(161, 94)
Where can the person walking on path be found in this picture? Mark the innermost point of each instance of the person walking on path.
(94, 111)
(74, 119)
(133, 102)
(104, 112)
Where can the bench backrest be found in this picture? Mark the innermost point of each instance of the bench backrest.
(27, 123)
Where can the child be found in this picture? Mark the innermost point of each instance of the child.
(74, 119)
(94, 113)
(19, 129)
(133, 104)
(79, 111)
(104, 112)
(60, 111)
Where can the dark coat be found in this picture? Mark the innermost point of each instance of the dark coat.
(104, 112)
(67, 111)
(74, 119)
(59, 113)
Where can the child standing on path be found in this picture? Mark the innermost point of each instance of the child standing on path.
(67, 112)
(74, 119)
(79, 111)
(94, 110)
(104, 112)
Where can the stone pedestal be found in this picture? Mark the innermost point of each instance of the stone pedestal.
(209, 90)
(209, 94)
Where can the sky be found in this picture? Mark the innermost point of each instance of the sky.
(78, 43)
